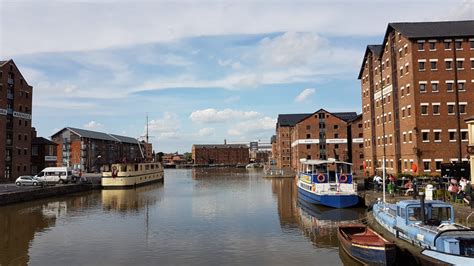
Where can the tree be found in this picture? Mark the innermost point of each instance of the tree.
(188, 156)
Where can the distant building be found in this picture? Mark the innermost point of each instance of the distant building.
(15, 122)
(171, 160)
(323, 135)
(89, 150)
(43, 153)
(417, 87)
(221, 154)
(284, 128)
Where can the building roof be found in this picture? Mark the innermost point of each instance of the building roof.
(220, 146)
(375, 49)
(41, 140)
(273, 139)
(92, 134)
(83, 133)
(346, 116)
(124, 139)
(359, 116)
(285, 120)
(2, 62)
(438, 29)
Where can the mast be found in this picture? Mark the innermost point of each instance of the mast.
(146, 128)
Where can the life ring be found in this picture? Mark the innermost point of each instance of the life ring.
(321, 178)
(114, 171)
(343, 178)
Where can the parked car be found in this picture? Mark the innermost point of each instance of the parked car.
(26, 180)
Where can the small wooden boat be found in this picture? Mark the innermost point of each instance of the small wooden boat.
(365, 245)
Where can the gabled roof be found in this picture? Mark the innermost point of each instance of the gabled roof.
(4, 62)
(376, 50)
(438, 29)
(42, 141)
(345, 116)
(285, 120)
(221, 146)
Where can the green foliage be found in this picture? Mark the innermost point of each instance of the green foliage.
(188, 156)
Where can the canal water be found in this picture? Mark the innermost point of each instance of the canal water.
(197, 216)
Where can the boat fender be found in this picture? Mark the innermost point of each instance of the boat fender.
(321, 178)
(343, 178)
(114, 171)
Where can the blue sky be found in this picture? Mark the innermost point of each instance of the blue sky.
(203, 71)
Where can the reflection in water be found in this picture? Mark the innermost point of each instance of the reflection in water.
(320, 223)
(131, 199)
(19, 223)
(198, 216)
(286, 193)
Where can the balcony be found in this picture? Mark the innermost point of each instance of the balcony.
(10, 81)
(10, 96)
(9, 142)
(8, 159)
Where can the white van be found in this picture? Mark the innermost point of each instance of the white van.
(61, 175)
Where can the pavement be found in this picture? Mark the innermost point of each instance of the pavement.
(93, 178)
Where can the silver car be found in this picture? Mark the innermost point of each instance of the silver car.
(26, 180)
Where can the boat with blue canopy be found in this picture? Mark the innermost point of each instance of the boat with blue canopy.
(429, 225)
(327, 182)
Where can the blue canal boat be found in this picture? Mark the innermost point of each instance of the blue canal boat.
(327, 182)
(433, 229)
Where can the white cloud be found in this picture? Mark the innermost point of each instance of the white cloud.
(306, 93)
(215, 116)
(93, 125)
(206, 132)
(166, 127)
(261, 125)
(122, 23)
(291, 48)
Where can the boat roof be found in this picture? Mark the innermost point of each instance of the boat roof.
(317, 162)
(405, 203)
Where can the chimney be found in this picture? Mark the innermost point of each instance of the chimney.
(225, 141)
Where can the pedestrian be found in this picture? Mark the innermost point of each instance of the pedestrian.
(377, 182)
(453, 189)
(415, 188)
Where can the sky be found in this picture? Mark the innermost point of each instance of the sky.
(203, 71)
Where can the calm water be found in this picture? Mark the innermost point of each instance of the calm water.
(198, 217)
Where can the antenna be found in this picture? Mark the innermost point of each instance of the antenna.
(147, 137)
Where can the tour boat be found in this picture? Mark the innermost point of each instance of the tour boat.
(327, 182)
(124, 175)
(365, 245)
(433, 229)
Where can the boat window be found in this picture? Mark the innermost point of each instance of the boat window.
(414, 214)
(147, 167)
(152, 166)
(136, 167)
(402, 213)
(441, 213)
